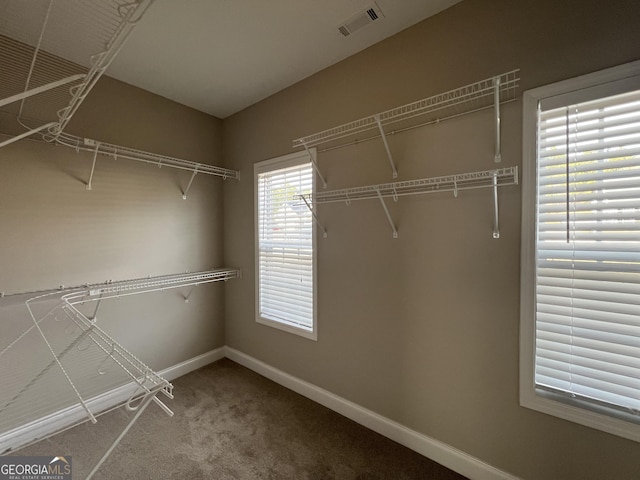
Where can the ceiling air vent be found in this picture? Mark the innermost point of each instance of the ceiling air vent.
(361, 19)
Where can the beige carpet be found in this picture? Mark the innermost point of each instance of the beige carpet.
(231, 423)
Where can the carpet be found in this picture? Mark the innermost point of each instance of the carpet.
(233, 424)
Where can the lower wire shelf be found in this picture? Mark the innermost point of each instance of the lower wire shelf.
(59, 368)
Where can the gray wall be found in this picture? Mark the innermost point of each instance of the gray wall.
(133, 223)
(423, 329)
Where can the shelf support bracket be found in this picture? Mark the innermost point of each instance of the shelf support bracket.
(186, 190)
(496, 107)
(386, 146)
(496, 228)
(93, 166)
(315, 217)
(386, 211)
(315, 166)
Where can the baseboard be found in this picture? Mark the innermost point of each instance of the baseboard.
(440, 452)
(45, 427)
(192, 364)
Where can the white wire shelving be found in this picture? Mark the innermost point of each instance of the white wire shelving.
(488, 93)
(449, 183)
(73, 377)
(115, 151)
(53, 53)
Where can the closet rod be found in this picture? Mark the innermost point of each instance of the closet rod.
(116, 151)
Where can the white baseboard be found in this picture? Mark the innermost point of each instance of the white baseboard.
(440, 452)
(44, 427)
(192, 364)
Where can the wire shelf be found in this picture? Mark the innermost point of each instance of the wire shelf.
(460, 101)
(79, 362)
(54, 52)
(448, 183)
(116, 151)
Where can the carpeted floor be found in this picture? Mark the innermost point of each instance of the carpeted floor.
(231, 423)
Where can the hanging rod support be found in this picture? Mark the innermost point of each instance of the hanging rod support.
(386, 146)
(93, 165)
(193, 175)
(496, 108)
(26, 134)
(41, 89)
(386, 211)
(315, 217)
(496, 229)
(315, 166)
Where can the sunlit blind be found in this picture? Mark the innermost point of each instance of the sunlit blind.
(285, 237)
(588, 252)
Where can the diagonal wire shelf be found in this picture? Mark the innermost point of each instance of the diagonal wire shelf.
(68, 363)
(460, 101)
(53, 53)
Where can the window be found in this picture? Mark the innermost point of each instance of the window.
(285, 245)
(580, 297)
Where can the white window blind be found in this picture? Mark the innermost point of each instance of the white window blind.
(285, 246)
(588, 252)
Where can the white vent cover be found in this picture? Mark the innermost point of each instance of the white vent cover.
(359, 20)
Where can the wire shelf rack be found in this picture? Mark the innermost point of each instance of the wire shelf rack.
(116, 151)
(449, 183)
(53, 53)
(72, 378)
(460, 101)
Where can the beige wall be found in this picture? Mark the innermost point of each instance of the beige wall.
(423, 329)
(133, 223)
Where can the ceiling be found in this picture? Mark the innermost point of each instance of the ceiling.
(220, 56)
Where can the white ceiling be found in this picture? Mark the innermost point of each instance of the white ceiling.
(220, 56)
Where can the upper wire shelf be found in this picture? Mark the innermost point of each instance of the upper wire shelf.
(460, 101)
(53, 53)
(117, 151)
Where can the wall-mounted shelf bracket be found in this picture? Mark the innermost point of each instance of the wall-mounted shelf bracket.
(386, 146)
(496, 108)
(315, 166)
(386, 211)
(186, 190)
(93, 166)
(315, 217)
(496, 227)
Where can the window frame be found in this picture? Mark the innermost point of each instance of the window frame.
(603, 83)
(271, 165)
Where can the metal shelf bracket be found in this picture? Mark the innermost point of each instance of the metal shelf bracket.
(496, 227)
(93, 165)
(386, 211)
(315, 166)
(386, 146)
(496, 107)
(315, 217)
(186, 190)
